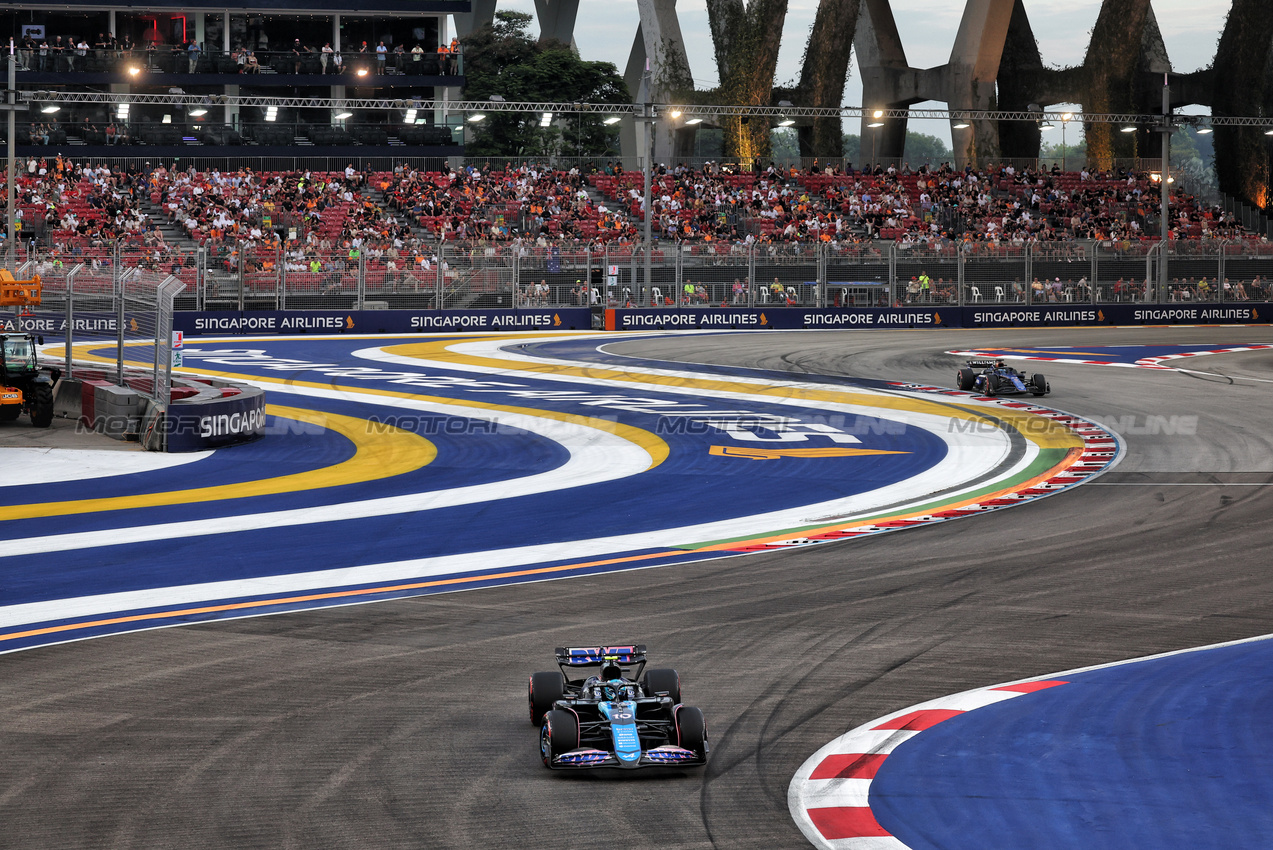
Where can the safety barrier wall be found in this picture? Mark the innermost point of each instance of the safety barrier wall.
(981, 316)
(280, 322)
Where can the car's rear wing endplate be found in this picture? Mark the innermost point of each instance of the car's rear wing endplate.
(582, 656)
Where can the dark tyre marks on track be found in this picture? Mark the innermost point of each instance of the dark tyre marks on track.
(402, 724)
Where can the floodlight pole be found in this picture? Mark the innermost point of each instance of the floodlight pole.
(1165, 172)
(648, 173)
(11, 103)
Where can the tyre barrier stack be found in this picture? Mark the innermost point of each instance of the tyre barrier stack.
(201, 413)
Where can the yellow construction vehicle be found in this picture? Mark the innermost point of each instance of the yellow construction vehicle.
(24, 384)
(19, 293)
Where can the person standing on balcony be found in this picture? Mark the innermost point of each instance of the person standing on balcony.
(382, 53)
(192, 53)
(325, 55)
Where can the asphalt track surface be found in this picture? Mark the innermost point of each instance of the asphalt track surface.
(402, 723)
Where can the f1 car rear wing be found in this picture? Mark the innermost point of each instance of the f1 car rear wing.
(631, 658)
(981, 364)
(585, 656)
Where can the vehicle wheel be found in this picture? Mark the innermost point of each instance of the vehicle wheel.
(992, 384)
(41, 405)
(966, 379)
(663, 680)
(558, 735)
(543, 690)
(10, 412)
(691, 730)
(1040, 385)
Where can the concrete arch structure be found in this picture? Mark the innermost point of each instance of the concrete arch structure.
(995, 63)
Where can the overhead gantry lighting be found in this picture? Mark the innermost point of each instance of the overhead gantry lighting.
(694, 121)
(960, 125)
(476, 117)
(613, 119)
(1128, 130)
(546, 119)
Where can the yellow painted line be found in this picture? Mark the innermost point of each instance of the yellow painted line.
(1040, 430)
(655, 446)
(1070, 459)
(319, 597)
(381, 452)
(774, 454)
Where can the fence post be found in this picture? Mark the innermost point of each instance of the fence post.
(438, 283)
(820, 264)
(1029, 274)
(360, 282)
(961, 294)
(517, 273)
(678, 268)
(1149, 273)
(751, 275)
(70, 321)
(201, 278)
(1220, 270)
(119, 323)
(238, 247)
(1096, 268)
(892, 267)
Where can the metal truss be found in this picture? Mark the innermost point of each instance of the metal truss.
(653, 111)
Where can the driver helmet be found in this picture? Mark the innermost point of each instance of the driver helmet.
(1000, 364)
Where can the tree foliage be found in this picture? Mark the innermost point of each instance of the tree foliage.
(823, 74)
(746, 35)
(502, 59)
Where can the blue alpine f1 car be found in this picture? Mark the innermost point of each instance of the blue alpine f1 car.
(604, 709)
(998, 378)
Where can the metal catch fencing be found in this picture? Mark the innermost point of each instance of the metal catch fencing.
(243, 276)
(120, 316)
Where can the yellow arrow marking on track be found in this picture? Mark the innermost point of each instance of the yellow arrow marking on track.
(388, 452)
(774, 454)
(1038, 429)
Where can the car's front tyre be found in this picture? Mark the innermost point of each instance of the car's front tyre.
(691, 730)
(542, 691)
(663, 680)
(558, 735)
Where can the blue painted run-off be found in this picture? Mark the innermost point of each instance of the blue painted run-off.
(1166, 753)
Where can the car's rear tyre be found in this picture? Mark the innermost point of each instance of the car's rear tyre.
(966, 379)
(691, 730)
(543, 690)
(1038, 385)
(992, 384)
(663, 680)
(41, 405)
(558, 735)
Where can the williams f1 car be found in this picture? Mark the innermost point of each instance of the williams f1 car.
(998, 378)
(604, 709)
